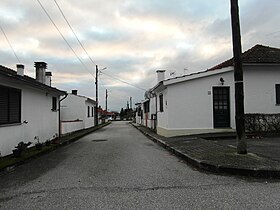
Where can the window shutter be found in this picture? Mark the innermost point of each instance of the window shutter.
(4, 105)
(10, 105)
(14, 102)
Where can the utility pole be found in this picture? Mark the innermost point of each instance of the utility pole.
(96, 95)
(130, 102)
(106, 97)
(238, 79)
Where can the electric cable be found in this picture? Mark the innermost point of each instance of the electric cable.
(113, 77)
(46, 12)
(9, 44)
(68, 23)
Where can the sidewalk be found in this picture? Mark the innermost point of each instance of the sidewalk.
(7, 163)
(219, 156)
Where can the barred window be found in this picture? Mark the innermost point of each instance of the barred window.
(10, 105)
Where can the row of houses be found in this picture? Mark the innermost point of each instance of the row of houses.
(204, 102)
(31, 108)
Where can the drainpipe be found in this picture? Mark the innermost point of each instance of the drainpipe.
(156, 124)
(59, 115)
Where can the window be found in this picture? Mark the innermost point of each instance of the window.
(88, 111)
(10, 105)
(92, 111)
(161, 103)
(54, 104)
(277, 91)
(146, 106)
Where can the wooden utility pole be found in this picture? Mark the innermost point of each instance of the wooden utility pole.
(96, 95)
(106, 99)
(238, 79)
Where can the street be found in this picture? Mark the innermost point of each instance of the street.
(117, 167)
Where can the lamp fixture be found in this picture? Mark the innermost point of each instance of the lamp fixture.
(222, 80)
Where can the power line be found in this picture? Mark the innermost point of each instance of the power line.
(63, 36)
(123, 81)
(68, 23)
(10, 44)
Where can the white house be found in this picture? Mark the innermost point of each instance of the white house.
(146, 111)
(204, 102)
(77, 112)
(28, 107)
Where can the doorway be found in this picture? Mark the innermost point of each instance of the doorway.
(221, 107)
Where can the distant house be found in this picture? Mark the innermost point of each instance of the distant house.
(146, 111)
(204, 102)
(77, 112)
(105, 116)
(28, 107)
(139, 113)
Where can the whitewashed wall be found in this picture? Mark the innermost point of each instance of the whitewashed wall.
(73, 108)
(71, 126)
(89, 121)
(36, 108)
(260, 89)
(162, 117)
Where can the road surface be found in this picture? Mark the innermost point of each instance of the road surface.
(117, 167)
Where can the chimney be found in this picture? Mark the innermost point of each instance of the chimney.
(48, 78)
(160, 75)
(74, 92)
(41, 71)
(20, 69)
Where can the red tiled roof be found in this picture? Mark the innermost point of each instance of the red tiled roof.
(257, 54)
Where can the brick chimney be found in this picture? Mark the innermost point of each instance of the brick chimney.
(160, 75)
(20, 69)
(40, 68)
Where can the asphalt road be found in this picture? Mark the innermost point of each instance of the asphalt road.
(119, 168)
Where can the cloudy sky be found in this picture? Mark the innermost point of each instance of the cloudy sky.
(131, 38)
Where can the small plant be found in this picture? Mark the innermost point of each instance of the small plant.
(38, 145)
(48, 142)
(55, 139)
(20, 148)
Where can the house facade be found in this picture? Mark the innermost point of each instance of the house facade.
(77, 113)
(204, 102)
(28, 107)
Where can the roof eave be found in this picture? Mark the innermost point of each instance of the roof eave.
(35, 85)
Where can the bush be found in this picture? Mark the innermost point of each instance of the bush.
(262, 123)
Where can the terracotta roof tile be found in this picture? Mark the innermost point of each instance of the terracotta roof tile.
(257, 54)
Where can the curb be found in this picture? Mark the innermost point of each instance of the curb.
(83, 133)
(208, 167)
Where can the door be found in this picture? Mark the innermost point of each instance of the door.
(221, 107)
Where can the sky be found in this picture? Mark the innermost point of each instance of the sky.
(129, 39)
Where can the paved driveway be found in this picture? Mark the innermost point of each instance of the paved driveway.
(119, 168)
